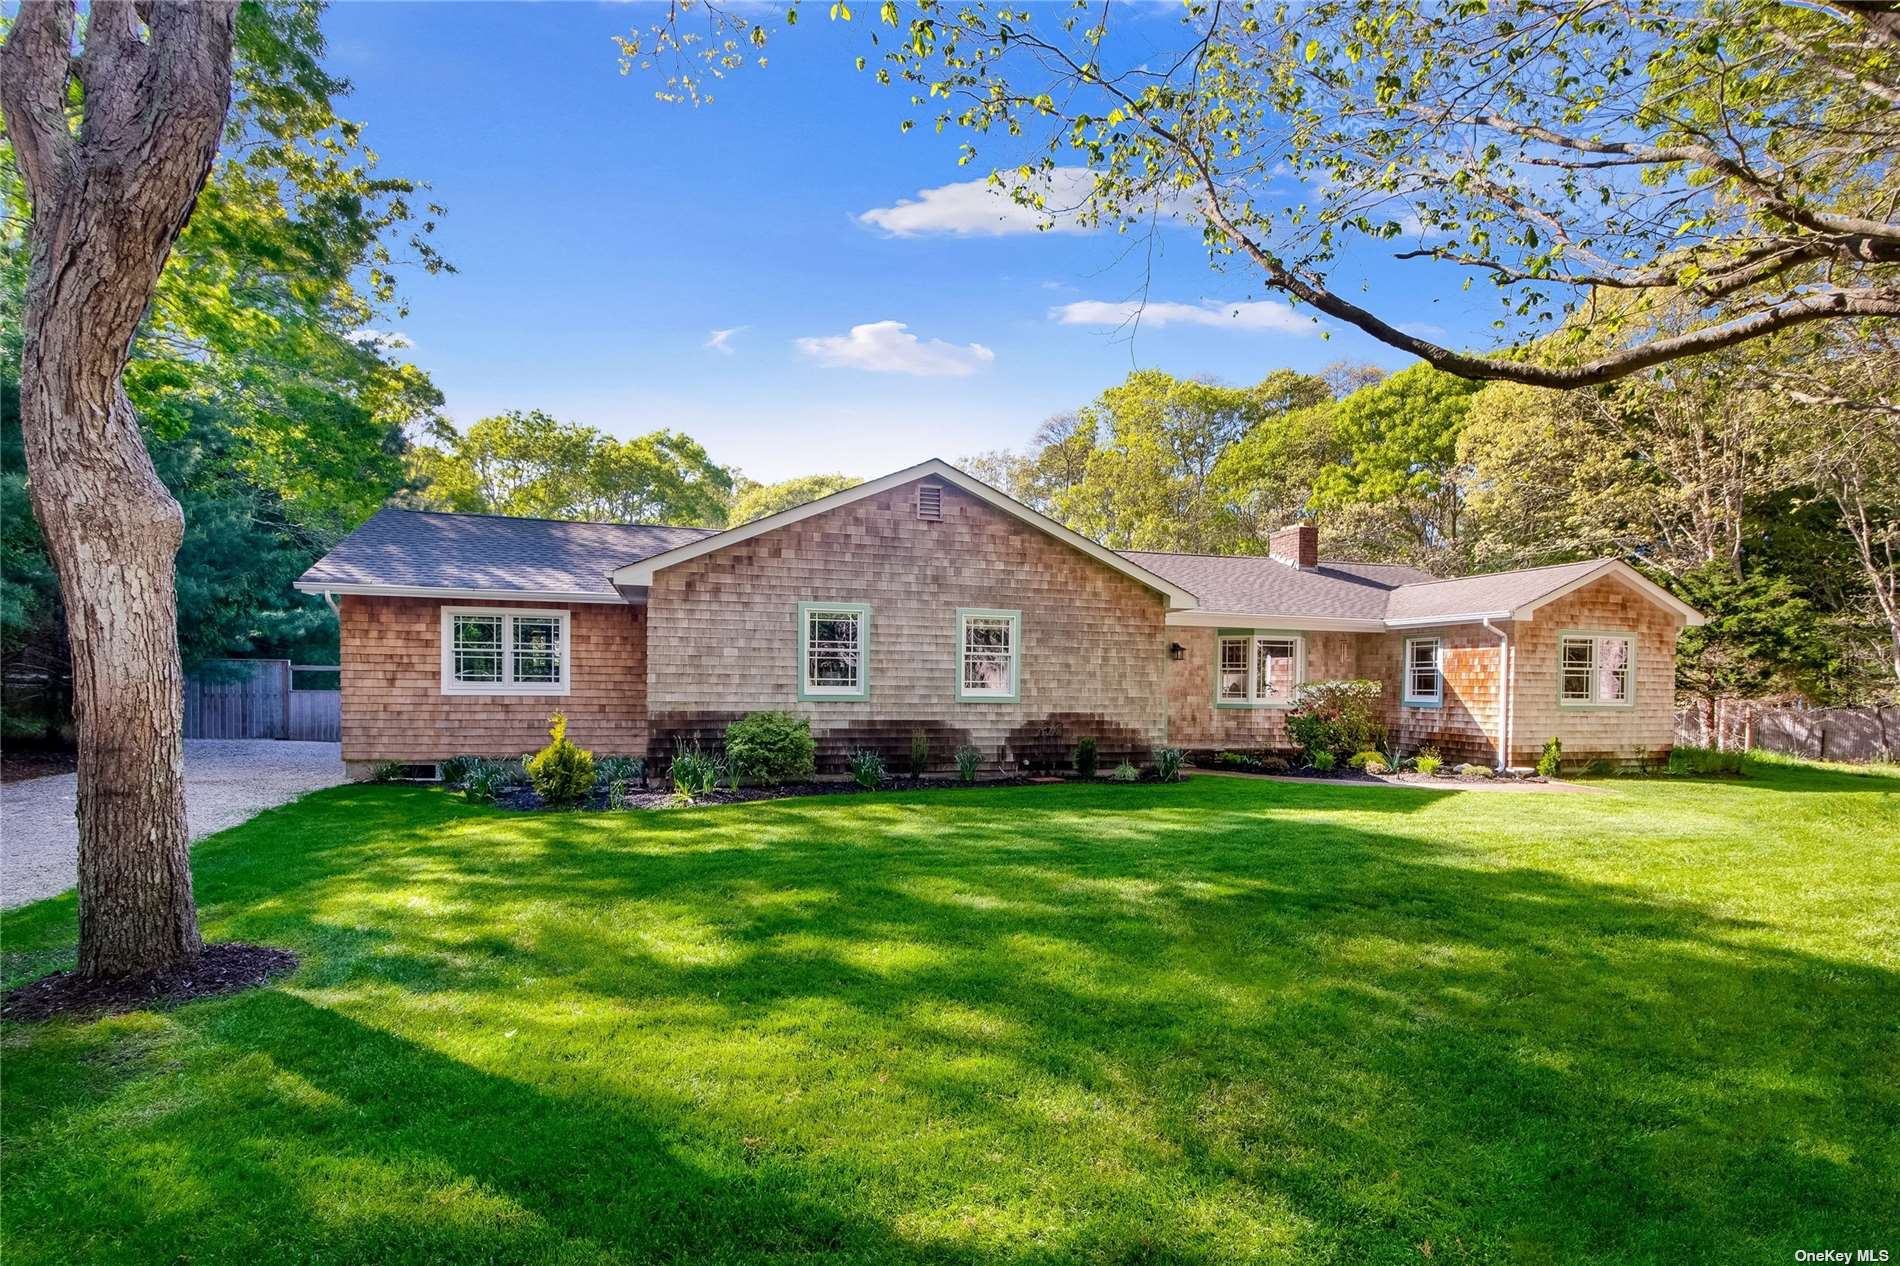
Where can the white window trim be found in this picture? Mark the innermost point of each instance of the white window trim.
(507, 685)
(1015, 620)
(807, 691)
(1596, 638)
(1253, 638)
(1436, 699)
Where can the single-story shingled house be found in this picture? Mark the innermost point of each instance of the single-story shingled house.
(927, 600)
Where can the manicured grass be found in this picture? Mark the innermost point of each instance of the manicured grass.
(1224, 1021)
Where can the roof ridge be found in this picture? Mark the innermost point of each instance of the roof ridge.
(1509, 571)
(1268, 558)
(539, 518)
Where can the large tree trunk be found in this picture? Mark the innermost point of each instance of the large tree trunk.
(108, 202)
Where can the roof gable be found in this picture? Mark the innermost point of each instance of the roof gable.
(638, 574)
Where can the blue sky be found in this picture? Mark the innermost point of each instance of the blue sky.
(602, 237)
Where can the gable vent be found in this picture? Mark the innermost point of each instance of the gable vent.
(930, 501)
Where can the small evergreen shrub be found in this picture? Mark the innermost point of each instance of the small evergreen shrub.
(1232, 760)
(771, 747)
(1477, 771)
(1324, 760)
(968, 760)
(1552, 761)
(1274, 765)
(562, 773)
(919, 752)
(695, 773)
(1085, 758)
(1125, 772)
(1360, 760)
(455, 769)
(388, 771)
(1427, 764)
(867, 768)
(1168, 764)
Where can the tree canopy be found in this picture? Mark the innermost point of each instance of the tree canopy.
(753, 500)
(528, 463)
(1723, 169)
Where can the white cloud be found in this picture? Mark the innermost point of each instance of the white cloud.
(1422, 329)
(721, 340)
(386, 339)
(977, 208)
(887, 347)
(1262, 315)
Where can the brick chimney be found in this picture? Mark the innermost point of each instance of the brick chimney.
(1296, 546)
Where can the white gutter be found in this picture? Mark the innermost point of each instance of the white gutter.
(1504, 694)
(433, 591)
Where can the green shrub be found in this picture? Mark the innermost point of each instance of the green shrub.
(609, 770)
(561, 772)
(1552, 761)
(1426, 765)
(1233, 760)
(694, 773)
(1324, 760)
(1336, 717)
(1125, 772)
(1085, 758)
(456, 769)
(1168, 764)
(1274, 765)
(1359, 760)
(484, 780)
(919, 752)
(1704, 762)
(1477, 771)
(867, 768)
(620, 793)
(968, 760)
(771, 747)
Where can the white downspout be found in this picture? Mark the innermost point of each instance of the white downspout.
(329, 600)
(1504, 693)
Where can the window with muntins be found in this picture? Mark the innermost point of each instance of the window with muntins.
(834, 642)
(1597, 669)
(1257, 668)
(989, 654)
(1424, 680)
(501, 651)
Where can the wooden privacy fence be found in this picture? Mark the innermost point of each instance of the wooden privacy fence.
(261, 699)
(1847, 734)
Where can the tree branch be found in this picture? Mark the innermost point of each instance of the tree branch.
(35, 63)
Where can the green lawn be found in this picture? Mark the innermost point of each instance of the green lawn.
(1222, 1021)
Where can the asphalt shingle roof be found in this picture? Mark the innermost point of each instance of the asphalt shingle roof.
(1483, 595)
(1257, 585)
(491, 552)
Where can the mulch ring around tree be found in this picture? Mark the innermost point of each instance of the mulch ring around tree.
(229, 967)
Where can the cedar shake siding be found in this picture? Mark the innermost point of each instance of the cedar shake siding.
(723, 636)
(1194, 721)
(1639, 734)
(394, 708)
(1463, 726)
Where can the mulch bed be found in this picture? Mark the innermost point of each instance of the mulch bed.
(524, 799)
(20, 766)
(224, 968)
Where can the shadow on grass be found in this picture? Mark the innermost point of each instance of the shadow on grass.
(1210, 1023)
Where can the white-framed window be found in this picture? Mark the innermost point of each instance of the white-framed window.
(504, 651)
(1253, 669)
(989, 655)
(1424, 671)
(1596, 670)
(834, 644)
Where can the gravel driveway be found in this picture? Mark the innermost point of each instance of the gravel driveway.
(226, 782)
